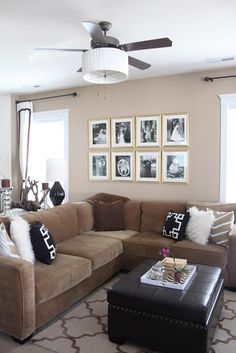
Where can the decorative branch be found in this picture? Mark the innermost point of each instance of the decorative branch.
(25, 203)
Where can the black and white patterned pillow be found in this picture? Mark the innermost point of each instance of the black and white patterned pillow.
(44, 245)
(175, 225)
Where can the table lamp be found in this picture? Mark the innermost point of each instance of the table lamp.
(55, 171)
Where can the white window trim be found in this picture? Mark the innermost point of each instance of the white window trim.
(62, 114)
(227, 101)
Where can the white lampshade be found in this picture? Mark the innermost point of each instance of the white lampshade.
(56, 169)
(105, 65)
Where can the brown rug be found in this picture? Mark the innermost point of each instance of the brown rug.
(83, 329)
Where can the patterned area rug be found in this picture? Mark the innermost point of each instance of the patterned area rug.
(83, 329)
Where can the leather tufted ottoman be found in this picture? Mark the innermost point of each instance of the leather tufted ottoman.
(168, 320)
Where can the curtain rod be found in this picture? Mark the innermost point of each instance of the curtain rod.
(74, 94)
(207, 78)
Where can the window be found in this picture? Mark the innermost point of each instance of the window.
(48, 139)
(228, 148)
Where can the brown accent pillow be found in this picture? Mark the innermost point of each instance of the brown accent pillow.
(105, 197)
(108, 215)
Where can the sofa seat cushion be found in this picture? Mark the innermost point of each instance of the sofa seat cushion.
(115, 234)
(64, 273)
(99, 250)
(209, 254)
(146, 244)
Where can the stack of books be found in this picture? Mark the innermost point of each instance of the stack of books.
(169, 263)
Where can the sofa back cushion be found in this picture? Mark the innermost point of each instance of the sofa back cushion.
(84, 216)
(216, 206)
(154, 214)
(132, 215)
(61, 221)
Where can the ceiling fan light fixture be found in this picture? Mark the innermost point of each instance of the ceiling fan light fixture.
(105, 65)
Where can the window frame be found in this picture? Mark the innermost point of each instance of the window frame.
(58, 115)
(227, 101)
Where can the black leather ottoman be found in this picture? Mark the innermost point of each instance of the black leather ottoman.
(168, 320)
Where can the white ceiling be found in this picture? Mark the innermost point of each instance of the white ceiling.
(200, 30)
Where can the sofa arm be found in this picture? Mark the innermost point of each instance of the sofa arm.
(17, 297)
(230, 272)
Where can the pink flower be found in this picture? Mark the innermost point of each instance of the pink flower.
(165, 252)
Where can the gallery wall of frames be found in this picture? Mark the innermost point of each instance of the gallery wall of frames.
(151, 148)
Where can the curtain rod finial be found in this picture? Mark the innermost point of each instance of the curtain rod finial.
(208, 79)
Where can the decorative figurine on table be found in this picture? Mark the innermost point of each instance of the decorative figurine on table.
(6, 197)
(31, 185)
(45, 191)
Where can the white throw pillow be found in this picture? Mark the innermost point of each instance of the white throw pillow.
(20, 233)
(7, 247)
(199, 225)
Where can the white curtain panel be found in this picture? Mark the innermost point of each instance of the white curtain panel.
(25, 110)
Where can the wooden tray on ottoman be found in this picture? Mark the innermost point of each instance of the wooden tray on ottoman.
(166, 319)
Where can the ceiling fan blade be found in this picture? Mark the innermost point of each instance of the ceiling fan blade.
(148, 44)
(95, 31)
(60, 49)
(138, 63)
(80, 70)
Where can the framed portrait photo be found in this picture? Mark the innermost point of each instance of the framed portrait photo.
(99, 165)
(175, 166)
(122, 132)
(148, 131)
(148, 166)
(99, 133)
(175, 129)
(122, 166)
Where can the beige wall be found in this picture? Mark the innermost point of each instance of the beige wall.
(170, 94)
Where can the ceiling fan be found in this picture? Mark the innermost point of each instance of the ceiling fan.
(100, 39)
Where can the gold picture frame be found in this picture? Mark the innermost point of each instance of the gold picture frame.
(175, 130)
(148, 166)
(122, 132)
(99, 166)
(99, 133)
(122, 166)
(148, 131)
(175, 166)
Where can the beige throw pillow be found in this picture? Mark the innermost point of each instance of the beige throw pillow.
(221, 227)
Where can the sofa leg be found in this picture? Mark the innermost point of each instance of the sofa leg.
(231, 289)
(18, 340)
(116, 340)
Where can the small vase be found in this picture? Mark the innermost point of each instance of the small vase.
(177, 276)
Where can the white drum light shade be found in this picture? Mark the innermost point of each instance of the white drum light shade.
(56, 169)
(105, 65)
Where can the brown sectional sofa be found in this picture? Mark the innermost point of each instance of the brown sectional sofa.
(31, 295)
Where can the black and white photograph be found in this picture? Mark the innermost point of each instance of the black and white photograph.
(99, 133)
(122, 132)
(175, 166)
(148, 132)
(175, 130)
(99, 165)
(122, 166)
(148, 166)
